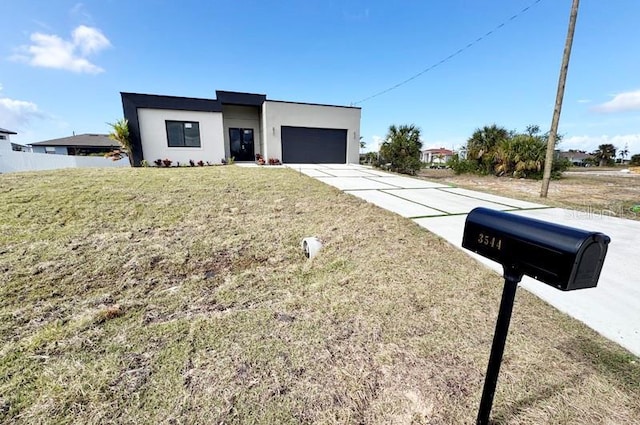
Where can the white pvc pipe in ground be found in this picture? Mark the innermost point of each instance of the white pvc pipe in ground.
(311, 246)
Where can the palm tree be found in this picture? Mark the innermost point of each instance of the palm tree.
(604, 154)
(502, 155)
(120, 133)
(529, 154)
(483, 141)
(623, 153)
(520, 155)
(402, 148)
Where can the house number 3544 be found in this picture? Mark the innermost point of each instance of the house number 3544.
(490, 241)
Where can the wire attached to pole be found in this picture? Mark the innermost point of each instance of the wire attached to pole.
(451, 56)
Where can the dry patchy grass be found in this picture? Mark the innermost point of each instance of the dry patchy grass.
(605, 193)
(182, 296)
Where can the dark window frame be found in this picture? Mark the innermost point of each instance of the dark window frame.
(184, 138)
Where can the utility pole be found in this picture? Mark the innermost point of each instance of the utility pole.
(553, 133)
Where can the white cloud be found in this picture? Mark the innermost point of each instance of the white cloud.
(373, 145)
(89, 40)
(17, 113)
(51, 51)
(80, 12)
(627, 101)
(591, 143)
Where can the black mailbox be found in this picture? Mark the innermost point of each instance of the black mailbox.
(560, 256)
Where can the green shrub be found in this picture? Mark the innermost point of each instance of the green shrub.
(462, 166)
(401, 149)
(559, 165)
(369, 158)
(494, 150)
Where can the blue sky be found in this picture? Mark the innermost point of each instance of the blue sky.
(63, 63)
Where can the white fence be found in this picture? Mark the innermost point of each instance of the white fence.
(11, 161)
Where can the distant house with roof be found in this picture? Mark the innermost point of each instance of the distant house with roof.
(72, 152)
(79, 145)
(6, 134)
(5, 139)
(577, 158)
(436, 156)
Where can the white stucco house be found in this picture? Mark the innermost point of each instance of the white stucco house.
(7, 144)
(5, 138)
(436, 156)
(240, 125)
(577, 158)
(6, 134)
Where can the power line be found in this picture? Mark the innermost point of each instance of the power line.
(451, 56)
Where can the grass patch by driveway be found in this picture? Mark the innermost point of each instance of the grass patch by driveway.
(607, 193)
(182, 296)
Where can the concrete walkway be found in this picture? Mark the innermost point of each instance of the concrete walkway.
(612, 309)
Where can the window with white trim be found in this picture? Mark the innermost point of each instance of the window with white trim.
(183, 134)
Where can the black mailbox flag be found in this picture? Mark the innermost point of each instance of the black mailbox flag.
(561, 256)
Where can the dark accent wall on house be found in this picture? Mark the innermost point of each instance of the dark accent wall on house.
(131, 114)
(242, 99)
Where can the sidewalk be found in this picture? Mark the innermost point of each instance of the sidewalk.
(612, 309)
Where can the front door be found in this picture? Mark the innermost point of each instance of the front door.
(241, 144)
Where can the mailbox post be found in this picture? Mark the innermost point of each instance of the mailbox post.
(497, 347)
(563, 257)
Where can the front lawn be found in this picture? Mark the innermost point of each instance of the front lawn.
(182, 296)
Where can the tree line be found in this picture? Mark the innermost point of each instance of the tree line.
(498, 151)
(491, 150)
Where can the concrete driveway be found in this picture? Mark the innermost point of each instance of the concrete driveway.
(612, 309)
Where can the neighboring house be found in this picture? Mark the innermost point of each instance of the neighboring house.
(19, 148)
(436, 156)
(15, 157)
(5, 140)
(6, 134)
(577, 158)
(80, 145)
(240, 125)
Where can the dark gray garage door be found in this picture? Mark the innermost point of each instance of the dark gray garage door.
(314, 145)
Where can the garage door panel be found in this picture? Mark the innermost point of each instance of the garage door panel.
(314, 145)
